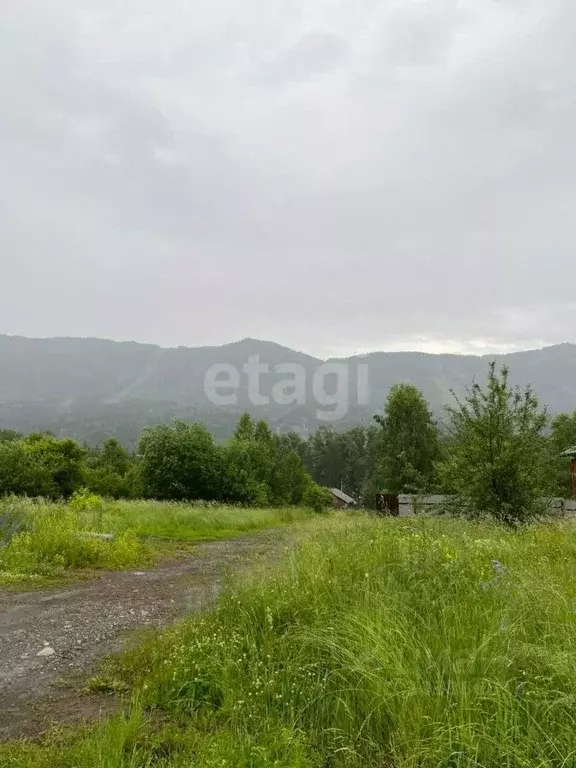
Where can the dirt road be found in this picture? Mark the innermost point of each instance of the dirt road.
(45, 635)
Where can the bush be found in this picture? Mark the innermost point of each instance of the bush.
(106, 482)
(317, 498)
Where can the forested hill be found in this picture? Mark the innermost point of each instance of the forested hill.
(92, 388)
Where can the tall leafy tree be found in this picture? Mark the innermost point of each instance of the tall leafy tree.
(327, 457)
(249, 463)
(62, 459)
(291, 441)
(292, 479)
(262, 433)
(180, 462)
(409, 442)
(246, 428)
(22, 474)
(112, 471)
(499, 461)
(355, 447)
(114, 457)
(247, 469)
(260, 468)
(345, 460)
(41, 465)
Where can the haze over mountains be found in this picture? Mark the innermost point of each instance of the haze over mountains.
(92, 388)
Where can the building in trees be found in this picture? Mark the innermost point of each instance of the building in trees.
(571, 454)
(341, 500)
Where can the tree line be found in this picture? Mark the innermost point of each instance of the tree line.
(177, 462)
(497, 452)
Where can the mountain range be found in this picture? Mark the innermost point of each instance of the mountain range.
(93, 388)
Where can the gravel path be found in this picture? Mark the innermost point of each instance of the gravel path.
(47, 634)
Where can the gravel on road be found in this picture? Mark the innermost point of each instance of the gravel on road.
(48, 634)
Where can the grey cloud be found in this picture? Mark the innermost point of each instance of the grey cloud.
(421, 34)
(311, 55)
(336, 178)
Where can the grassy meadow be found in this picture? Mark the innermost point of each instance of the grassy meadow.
(42, 541)
(417, 643)
(186, 522)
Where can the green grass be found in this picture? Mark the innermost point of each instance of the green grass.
(42, 542)
(49, 544)
(379, 643)
(185, 522)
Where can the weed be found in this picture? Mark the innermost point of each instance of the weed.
(374, 643)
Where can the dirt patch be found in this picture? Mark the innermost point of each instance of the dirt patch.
(74, 627)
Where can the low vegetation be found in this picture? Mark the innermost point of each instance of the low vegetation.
(43, 540)
(179, 521)
(399, 643)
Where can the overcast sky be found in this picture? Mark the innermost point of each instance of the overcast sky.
(336, 176)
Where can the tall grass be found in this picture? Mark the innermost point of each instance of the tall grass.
(40, 540)
(380, 643)
(185, 522)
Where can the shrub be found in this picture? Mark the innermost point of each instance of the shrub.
(86, 501)
(105, 482)
(317, 498)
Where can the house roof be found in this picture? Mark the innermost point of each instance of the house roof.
(570, 452)
(342, 496)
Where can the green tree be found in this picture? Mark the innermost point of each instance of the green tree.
(375, 482)
(409, 442)
(63, 460)
(22, 474)
(293, 479)
(260, 468)
(246, 473)
(109, 471)
(355, 449)
(246, 428)
(251, 465)
(347, 460)
(262, 433)
(114, 456)
(291, 441)
(9, 436)
(179, 462)
(499, 461)
(327, 457)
